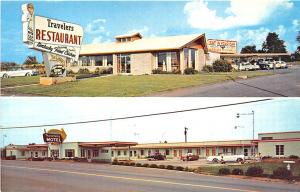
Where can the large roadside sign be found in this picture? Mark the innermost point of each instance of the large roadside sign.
(54, 136)
(51, 35)
(221, 46)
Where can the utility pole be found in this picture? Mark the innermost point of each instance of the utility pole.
(185, 134)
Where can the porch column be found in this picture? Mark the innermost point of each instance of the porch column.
(115, 64)
(181, 61)
(169, 67)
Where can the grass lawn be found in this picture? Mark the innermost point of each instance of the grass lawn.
(267, 167)
(120, 85)
(14, 81)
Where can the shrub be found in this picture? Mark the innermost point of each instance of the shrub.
(190, 71)
(224, 171)
(176, 71)
(146, 165)
(70, 73)
(266, 157)
(208, 68)
(282, 173)
(254, 171)
(179, 168)
(109, 70)
(120, 163)
(221, 66)
(83, 71)
(132, 163)
(156, 71)
(127, 164)
(161, 166)
(138, 164)
(171, 167)
(294, 157)
(13, 157)
(153, 166)
(237, 172)
(114, 163)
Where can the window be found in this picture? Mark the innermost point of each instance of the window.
(104, 151)
(156, 150)
(99, 60)
(279, 149)
(193, 58)
(162, 61)
(112, 153)
(189, 150)
(43, 153)
(167, 152)
(109, 59)
(23, 153)
(142, 152)
(86, 61)
(69, 152)
(95, 153)
(198, 151)
(82, 152)
(36, 154)
(266, 138)
(149, 152)
(134, 153)
(246, 152)
(123, 62)
(233, 151)
(119, 153)
(174, 61)
(130, 154)
(125, 153)
(54, 153)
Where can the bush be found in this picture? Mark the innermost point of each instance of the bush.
(176, 71)
(153, 166)
(156, 71)
(114, 162)
(266, 157)
(221, 66)
(37, 159)
(146, 165)
(161, 166)
(294, 157)
(190, 71)
(109, 70)
(132, 163)
(179, 168)
(83, 71)
(237, 172)
(282, 173)
(120, 163)
(208, 68)
(254, 171)
(70, 73)
(138, 164)
(171, 167)
(127, 164)
(224, 171)
(13, 157)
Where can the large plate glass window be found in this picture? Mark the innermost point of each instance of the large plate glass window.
(99, 60)
(162, 61)
(124, 65)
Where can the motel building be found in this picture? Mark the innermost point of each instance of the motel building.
(277, 144)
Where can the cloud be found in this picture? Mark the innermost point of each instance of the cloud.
(240, 13)
(143, 31)
(96, 26)
(281, 30)
(295, 24)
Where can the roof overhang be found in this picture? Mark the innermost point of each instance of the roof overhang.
(254, 55)
(106, 144)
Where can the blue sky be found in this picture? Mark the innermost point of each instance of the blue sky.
(248, 22)
(213, 124)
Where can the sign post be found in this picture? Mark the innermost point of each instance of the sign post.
(59, 41)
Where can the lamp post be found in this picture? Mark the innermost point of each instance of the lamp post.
(238, 115)
(185, 133)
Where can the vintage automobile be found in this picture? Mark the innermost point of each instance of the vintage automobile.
(247, 66)
(189, 157)
(281, 65)
(18, 72)
(156, 157)
(266, 64)
(223, 158)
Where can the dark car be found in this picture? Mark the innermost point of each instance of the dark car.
(189, 157)
(156, 157)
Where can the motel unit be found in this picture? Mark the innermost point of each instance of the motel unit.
(135, 55)
(278, 144)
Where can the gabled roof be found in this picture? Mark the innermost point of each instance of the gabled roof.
(142, 45)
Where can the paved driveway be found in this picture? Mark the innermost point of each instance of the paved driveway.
(285, 83)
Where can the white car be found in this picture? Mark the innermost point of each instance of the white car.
(226, 158)
(247, 66)
(281, 64)
(17, 73)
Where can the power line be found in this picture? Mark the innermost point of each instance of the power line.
(135, 116)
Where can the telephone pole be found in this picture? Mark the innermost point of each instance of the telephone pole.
(185, 133)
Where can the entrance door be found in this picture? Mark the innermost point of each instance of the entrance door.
(214, 151)
(175, 153)
(207, 151)
(88, 153)
(123, 63)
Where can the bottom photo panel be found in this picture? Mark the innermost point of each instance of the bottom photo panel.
(150, 144)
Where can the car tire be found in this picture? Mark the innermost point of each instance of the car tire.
(239, 160)
(4, 76)
(27, 74)
(215, 160)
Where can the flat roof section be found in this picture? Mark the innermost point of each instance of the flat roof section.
(107, 144)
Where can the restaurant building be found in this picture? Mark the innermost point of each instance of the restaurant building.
(133, 54)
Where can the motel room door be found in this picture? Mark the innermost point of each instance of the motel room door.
(207, 152)
(89, 154)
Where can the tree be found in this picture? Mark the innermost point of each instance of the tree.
(298, 38)
(273, 44)
(31, 60)
(296, 55)
(249, 49)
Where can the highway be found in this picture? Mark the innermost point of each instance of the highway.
(65, 176)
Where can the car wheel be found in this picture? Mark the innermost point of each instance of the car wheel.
(5, 76)
(215, 160)
(239, 160)
(27, 74)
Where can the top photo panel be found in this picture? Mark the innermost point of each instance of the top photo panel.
(200, 48)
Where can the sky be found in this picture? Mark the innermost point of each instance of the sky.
(246, 21)
(206, 125)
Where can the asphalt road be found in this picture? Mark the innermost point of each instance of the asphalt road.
(285, 83)
(61, 176)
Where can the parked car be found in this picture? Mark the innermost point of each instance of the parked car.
(189, 157)
(17, 73)
(247, 66)
(266, 64)
(223, 158)
(281, 65)
(156, 156)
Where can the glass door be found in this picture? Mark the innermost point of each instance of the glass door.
(124, 63)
